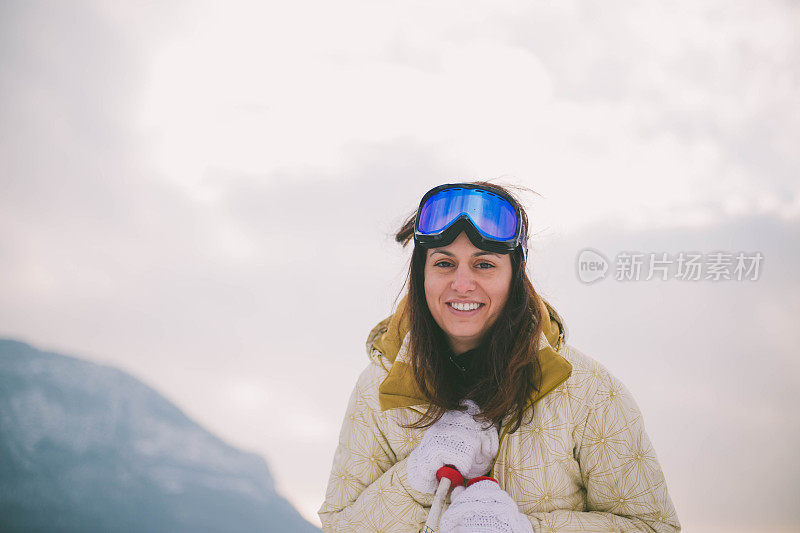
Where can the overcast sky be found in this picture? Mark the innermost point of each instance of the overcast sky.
(203, 194)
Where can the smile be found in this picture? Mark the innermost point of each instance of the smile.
(464, 306)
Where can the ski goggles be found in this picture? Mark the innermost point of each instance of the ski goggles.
(486, 214)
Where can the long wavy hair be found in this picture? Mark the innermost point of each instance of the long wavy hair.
(509, 369)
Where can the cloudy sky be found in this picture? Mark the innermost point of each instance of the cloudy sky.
(202, 194)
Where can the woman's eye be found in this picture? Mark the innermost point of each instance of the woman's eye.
(484, 265)
(443, 264)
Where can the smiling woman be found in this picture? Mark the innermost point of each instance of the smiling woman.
(472, 373)
(466, 289)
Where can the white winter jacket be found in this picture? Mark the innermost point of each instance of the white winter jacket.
(584, 463)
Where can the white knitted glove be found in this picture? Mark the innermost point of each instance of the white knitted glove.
(483, 508)
(455, 439)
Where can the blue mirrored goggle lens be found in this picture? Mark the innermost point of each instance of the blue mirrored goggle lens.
(491, 215)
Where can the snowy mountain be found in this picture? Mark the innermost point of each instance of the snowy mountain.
(85, 447)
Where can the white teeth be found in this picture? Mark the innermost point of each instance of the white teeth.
(465, 306)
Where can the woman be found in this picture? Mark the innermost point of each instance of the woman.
(472, 371)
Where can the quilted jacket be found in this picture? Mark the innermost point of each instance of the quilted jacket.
(584, 463)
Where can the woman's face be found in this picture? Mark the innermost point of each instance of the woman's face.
(466, 289)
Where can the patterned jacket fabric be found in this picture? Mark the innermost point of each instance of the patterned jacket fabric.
(584, 463)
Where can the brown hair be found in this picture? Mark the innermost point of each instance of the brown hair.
(509, 367)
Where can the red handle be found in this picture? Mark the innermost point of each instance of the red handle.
(450, 472)
(480, 478)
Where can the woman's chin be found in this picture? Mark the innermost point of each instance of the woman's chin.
(463, 337)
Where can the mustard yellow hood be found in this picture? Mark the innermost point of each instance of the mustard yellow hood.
(399, 388)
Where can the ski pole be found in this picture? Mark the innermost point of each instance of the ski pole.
(448, 476)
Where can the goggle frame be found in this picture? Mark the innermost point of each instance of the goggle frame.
(463, 222)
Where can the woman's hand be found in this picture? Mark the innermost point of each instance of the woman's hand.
(456, 439)
(483, 507)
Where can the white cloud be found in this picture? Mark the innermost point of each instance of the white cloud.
(653, 98)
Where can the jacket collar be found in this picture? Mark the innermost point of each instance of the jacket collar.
(389, 341)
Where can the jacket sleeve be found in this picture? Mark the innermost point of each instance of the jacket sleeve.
(625, 489)
(367, 488)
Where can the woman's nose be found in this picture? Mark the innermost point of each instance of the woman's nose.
(463, 281)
